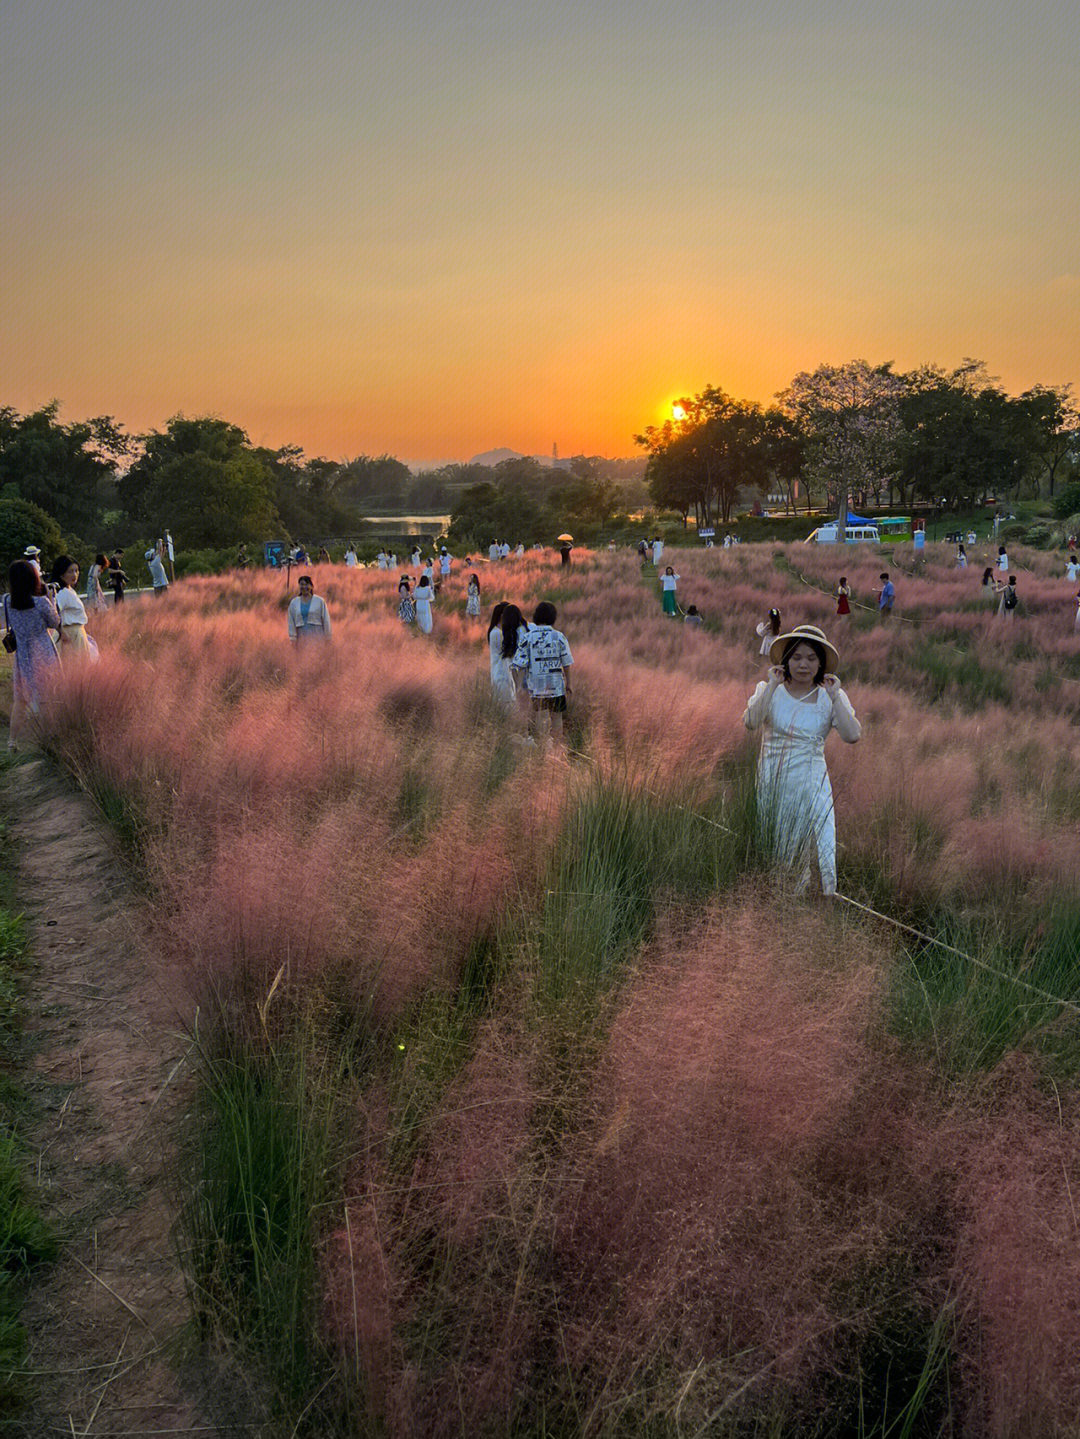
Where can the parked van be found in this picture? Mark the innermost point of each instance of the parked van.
(853, 534)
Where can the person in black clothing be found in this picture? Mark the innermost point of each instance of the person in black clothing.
(116, 577)
(564, 550)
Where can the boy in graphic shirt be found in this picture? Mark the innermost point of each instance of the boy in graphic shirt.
(544, 655)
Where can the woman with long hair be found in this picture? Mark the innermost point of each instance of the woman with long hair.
(843, 597)
(422, 598)
(797, 705)
(669, 582)
(472, 600)
(74, 641)
(508, 625)
(767, 630)
(95, 595)
(29, 614)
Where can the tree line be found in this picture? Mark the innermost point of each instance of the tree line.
(89, 484)
(930, 437)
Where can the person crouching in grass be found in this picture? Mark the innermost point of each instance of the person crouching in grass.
(544, 655)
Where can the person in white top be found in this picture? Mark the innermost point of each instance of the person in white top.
(427, 571)
(657, 551)
(505, 632)
(767, 631)
(309, 619)
(669, 581)
(158, 578)
(493, 550)
(544, 655)
(797, 706)
(350, 557)
(519, 551)
(382, 559)
(1072, 569)
(1002, 559)
(504, 551)
(445, 561)
(423, 597)
(414, 558)
(32, 555)
(75, 644)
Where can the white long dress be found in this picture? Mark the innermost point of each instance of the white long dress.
(423, 596)
(794, 794)
(502, 675)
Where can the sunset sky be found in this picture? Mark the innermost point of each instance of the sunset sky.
(433, 228)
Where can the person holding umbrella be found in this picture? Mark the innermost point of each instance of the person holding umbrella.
(566, 544)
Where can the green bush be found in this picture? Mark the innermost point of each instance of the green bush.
(22, 524)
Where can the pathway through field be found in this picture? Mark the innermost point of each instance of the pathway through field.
(108, 1079)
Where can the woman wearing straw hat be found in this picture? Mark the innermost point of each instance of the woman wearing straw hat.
(797, 706)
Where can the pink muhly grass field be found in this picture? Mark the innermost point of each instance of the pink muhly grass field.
(708, 1167)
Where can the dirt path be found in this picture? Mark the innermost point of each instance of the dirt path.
(108, 1080)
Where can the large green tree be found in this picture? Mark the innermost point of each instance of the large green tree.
(703, 459)
(69, 470)
(850, 416)
(201, 478)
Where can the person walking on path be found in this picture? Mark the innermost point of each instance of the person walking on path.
(669, 581)
(406, 610)
(961, 557)
(767, 630)
(423, 596)
(309, 619)
(798, 704)
(544, 655)
(1002, 560)
(843, 597)
(472, 598)
(29, 615)
(75, 644)
(886, 595)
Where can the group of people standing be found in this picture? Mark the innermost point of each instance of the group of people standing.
(35, 612)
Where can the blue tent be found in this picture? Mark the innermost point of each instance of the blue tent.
(854, 520)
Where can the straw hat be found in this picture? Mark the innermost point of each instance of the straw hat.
(803, 632)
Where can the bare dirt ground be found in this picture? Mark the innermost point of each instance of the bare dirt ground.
(108, 1083)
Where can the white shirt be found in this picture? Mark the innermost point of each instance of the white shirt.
(1003, 562)
(543, 654)
(69, 607)
(667, 582)
(493, 552)
(158, 577)
(423, 594)
(504, 552)
(350, 558)
(445, 561)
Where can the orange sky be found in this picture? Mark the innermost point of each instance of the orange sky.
(433, 229)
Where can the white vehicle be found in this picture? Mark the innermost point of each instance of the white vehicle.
(853, 534)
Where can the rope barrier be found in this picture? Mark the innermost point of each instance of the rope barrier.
(1043, 994)
(982, 964)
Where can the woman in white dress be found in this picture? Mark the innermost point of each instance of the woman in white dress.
(423, 596)
(472, 601)
(504, 634)
(768, 629)
(797, 705)
(1003, 559)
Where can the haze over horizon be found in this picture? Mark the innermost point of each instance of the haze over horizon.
(435, 229)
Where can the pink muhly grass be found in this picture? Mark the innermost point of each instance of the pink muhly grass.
(742, 1111)
(1017, 1266)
